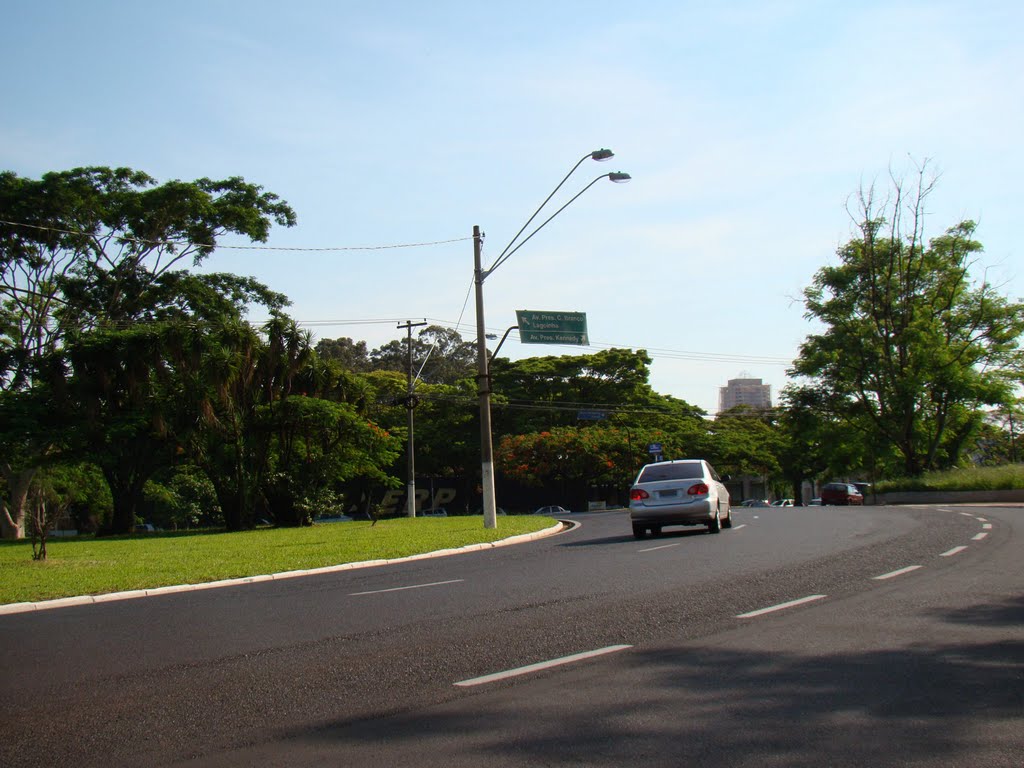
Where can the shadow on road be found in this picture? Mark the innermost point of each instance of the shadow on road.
(629, 537)
(944, 703)
(1006, 614)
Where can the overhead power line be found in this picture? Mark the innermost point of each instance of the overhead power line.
(179, 243)
(659, 352)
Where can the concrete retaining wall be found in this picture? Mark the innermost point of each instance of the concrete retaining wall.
(949, 497)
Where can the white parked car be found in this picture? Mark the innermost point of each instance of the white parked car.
(680, 492)
(553, 511)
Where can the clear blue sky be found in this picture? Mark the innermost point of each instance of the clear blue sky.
(746, 127)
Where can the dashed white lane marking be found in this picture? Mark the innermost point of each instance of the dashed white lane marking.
(652, 549)
(981, 519)
(781, 606)
(953, 551)
(737, 527)
(979, 536)
(987, 526)
(540, 665)
(965, 514)
(411, 586)
(900, 572)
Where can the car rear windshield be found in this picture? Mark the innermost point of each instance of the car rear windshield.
(658, 472)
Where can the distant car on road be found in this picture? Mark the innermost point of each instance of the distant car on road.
(863, 488)
(841, 494)
(555, 511)
(438, 512)
(783, 503)
(680, 492)
(755, 503)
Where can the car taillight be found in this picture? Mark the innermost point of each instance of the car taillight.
(638, 494)
(698, 489)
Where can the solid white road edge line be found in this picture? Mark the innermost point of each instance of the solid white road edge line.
(400, 589)
(894, 574)
(781, 606)
(953, 551)
(540, 665)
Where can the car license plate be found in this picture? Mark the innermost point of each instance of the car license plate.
(666, 494)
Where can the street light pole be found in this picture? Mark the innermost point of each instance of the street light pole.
(483, 375)
(483, 386)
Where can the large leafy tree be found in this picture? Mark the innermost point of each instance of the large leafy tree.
(541, 441)
(351, 355)
(130, 391)
(440, 355)
(88, 260)
(318, 446)
(239, 375)
(745, 442)
(912, 347)
(539, 393)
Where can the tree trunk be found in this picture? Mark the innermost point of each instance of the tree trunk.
(237, 506)
(126, 495)
(12, 521)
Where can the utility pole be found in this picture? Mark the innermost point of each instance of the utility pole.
(483, 386)
(410, 405)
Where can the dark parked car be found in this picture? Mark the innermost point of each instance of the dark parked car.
(843, 494)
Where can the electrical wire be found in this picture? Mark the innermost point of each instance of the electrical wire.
(181, 243)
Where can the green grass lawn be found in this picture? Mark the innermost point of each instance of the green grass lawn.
(91, 566)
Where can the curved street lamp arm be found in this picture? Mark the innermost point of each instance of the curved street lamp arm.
(502, 259)
(599, 155)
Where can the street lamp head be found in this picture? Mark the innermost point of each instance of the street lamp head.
(619, 178)
(602, 154)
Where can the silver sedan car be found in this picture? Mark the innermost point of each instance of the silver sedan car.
(680, 492)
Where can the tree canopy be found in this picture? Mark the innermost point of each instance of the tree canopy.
(912, 346)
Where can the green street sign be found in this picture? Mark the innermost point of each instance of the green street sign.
(552, 327)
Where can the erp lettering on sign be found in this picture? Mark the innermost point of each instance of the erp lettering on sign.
(393, 501)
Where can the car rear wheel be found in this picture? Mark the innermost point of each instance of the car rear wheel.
(639, 531)
(727, 523)
(716, 522)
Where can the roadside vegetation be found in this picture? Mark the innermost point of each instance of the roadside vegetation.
(93, 566)
(1005, 478)
(135, 391)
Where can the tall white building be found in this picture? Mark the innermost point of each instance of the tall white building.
(751, 392)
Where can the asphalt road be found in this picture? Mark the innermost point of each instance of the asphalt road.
(900, 642)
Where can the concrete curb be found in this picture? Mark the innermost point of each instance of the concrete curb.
(64, 602)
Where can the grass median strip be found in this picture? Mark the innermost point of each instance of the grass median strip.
(91, 566)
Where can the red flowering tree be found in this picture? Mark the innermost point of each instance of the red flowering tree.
(588, 455)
